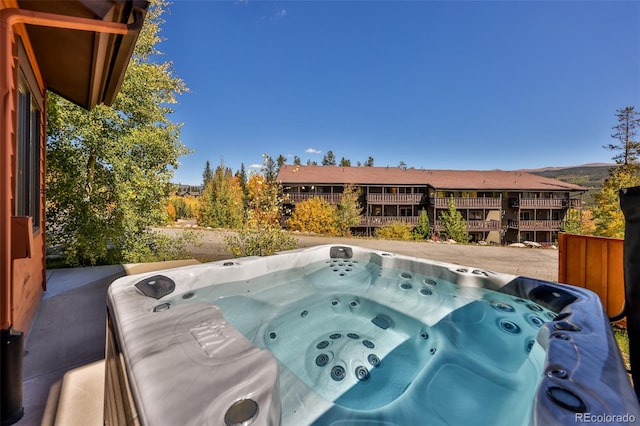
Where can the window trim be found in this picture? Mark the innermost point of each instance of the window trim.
(28, 143)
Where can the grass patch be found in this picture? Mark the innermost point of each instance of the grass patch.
(622, 338)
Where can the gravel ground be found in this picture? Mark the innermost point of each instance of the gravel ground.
(538, 263)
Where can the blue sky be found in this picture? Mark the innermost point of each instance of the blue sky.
(435, 84)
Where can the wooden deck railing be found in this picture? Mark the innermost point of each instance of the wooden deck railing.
(594, 263)
(545, 203)
(300, 197)
(385, 220)
(474, 225)
(575, 203)
(394, 198)
(468, 203)
(535, 225)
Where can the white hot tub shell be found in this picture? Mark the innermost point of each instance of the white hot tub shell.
(342, 335)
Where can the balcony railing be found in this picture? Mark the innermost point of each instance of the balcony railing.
(474, 225)
(544, 203)
(385, 220)
(535, 225)
(394, 198)
(300, 197)
(575, 203)
(468, 202)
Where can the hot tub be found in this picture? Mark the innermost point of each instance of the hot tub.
(342, 335)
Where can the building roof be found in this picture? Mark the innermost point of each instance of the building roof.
(84, 66)
(484, 180)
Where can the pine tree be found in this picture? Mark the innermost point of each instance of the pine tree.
(422, 231)
(453, 224)
(281, 160)
(626, 132)
(345, 162)
(242, 180)
(329, 159)
(607, 215)
(269, 168)
(207, 174)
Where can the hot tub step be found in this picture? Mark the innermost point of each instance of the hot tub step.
(78, 399)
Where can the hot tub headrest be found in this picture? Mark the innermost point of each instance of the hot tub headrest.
(341, 252)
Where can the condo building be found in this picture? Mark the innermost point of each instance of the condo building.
(499, 207)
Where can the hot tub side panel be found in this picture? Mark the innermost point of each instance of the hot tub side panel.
(584, 377)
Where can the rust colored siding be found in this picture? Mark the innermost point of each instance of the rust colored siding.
(594, 263)
(28, 282)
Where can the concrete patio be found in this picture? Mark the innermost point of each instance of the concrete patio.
(63, 376)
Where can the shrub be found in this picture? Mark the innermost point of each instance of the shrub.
(259, 241)
(185, 207)
(157, 247)
(314, 215)
(394, 231)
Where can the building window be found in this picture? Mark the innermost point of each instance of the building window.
(475, 215)
(543, 215)
(525, 215)
(390, 211)
(28, 139)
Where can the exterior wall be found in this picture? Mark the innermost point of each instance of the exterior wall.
(92, 73)
(28, 283)
(495, 217)
(537, 216)
(23, 265)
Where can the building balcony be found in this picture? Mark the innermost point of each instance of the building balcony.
(394, 198)
(544, 203)
(535, 225)
(474, 225)
(300, 197)
(386, 220)
(468, 202)
(575, 203)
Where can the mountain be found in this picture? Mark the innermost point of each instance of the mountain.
(555, 168)
(589, 176)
